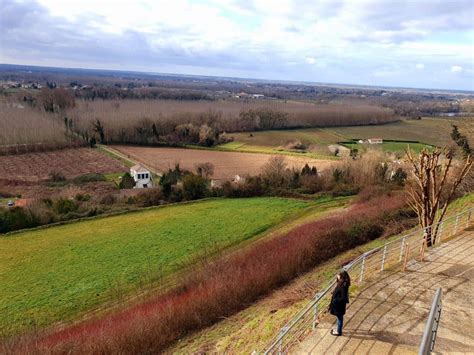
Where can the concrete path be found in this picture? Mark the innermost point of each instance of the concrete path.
(389, 315)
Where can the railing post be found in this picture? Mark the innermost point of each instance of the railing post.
(383, 257)
(401, 248)
(424, 246)
(362, 268)
(407, 254)
(440, 231)
(455, 230)
(315, 315)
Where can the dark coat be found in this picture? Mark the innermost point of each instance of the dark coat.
(339, 299)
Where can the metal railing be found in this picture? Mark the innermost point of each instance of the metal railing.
(372, 262)
(431, 329)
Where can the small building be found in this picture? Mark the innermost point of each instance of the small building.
(239, 179)
(142, 177)
(375, 140)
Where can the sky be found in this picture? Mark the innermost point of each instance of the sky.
(417, 43)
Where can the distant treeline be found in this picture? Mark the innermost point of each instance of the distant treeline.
(208, 122)
(129, 92)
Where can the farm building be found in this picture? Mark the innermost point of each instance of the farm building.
(142, 177)
(239, 179)
(375, 140)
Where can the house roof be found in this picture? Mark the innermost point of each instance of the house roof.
(139, 169)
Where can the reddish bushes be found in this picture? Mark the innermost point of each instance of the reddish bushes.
(225, 286)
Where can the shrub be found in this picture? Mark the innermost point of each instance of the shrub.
(16, 218)
(399, 177)
(150, 197)
(344, 190)
(64, 206)
(127, 181)
(56, 176)
(83, 197)
(194, 187)
(4, 194)
(108, 199)
(311, 183)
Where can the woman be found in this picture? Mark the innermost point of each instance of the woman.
(340, 297)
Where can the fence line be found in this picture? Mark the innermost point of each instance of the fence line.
(372, 262)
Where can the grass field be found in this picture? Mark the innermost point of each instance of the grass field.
(58, 273)
(427, 131)
(396, 147)
(434, 131)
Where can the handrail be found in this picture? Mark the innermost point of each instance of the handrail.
(431, 329)
(369, 263)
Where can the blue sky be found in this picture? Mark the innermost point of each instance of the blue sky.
(424, 43)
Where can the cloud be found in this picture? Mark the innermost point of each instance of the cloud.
(456, 69)
(363, 42)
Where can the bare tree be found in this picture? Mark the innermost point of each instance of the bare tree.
(275, 171)
(205, 170)
(435, 184)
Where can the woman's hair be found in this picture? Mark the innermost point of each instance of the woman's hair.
(344, 278)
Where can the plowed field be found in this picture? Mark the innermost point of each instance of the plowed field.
(226, 164)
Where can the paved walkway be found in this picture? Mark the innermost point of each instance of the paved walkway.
(389, 316)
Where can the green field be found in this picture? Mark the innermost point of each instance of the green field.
(427, 131)
(396, 147)
(433, 131)
(58, 273)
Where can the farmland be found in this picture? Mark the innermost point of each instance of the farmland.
(56, 274)
(71, 162)
(433, 131)
(429, 131)
(226, 164)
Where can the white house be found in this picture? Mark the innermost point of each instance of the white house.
(142, 177)
(239, 179)
(375, 140)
